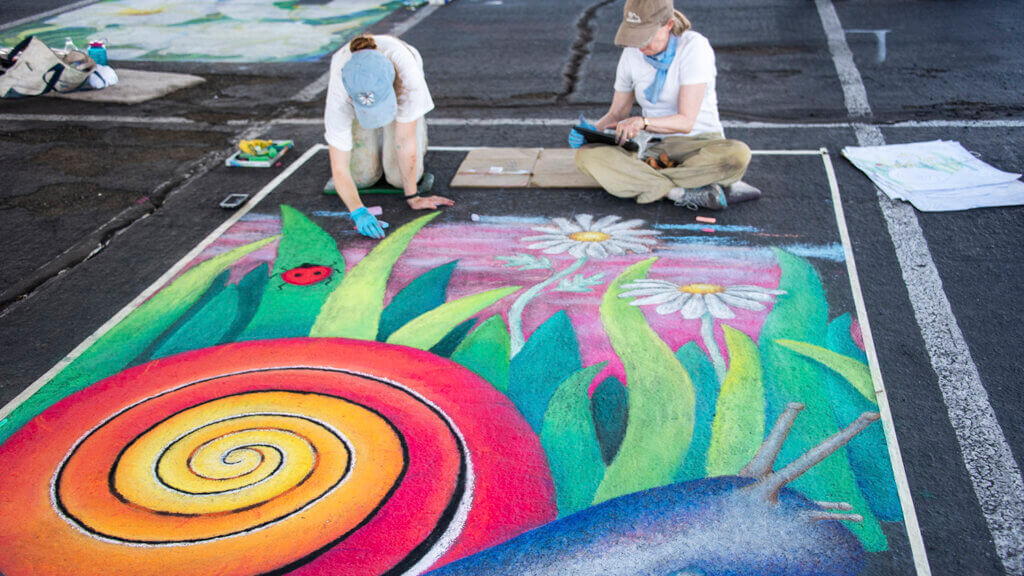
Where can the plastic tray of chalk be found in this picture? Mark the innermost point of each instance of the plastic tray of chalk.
(273, 154)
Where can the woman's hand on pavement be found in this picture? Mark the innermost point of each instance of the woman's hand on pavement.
(429, 202)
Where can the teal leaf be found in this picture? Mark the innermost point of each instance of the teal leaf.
(249, 295)
(451, 341)
(550, 356)
(705, 383)
(610, 407)
(570, 443)
(203, 325)
(661, 397)
(486, 352)
(421, 295)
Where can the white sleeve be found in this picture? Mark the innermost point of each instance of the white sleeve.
(338, 112)
(414, 101)
(697, 63)
(623, 78)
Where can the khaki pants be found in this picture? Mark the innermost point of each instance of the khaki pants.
(701, 160)
(373, 154)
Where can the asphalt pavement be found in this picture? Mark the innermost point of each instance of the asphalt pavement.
(99, 200)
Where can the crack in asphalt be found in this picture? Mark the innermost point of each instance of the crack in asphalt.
(580, 50)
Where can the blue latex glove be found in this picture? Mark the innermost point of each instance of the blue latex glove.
(575, 138)
(367, 223)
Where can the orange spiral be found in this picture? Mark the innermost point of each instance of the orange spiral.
(263, 457)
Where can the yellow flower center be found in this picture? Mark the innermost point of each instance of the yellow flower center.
(589, 236)
(702, 289)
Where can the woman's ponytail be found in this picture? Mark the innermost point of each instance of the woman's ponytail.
(680, 23)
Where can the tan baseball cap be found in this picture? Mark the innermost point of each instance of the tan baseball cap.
(640, 20)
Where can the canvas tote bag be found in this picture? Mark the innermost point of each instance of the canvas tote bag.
(31, 68)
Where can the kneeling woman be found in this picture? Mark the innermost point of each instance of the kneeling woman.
(670, 70)
(374, 121)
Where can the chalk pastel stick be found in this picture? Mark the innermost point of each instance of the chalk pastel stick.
(705, 220)
(708, 230)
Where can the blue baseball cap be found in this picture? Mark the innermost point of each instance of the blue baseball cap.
(369, 79)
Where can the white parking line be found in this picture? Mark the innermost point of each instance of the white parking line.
(987, 456)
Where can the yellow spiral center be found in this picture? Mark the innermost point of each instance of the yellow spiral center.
(589, 236)
(702, 289)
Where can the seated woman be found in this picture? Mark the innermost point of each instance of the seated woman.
(670, 70)
(374, 121)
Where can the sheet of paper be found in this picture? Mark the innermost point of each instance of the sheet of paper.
(936, 176)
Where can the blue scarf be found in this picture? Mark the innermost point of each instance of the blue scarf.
(661, 62)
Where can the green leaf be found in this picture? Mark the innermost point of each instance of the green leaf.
(426, 330)
(550, 356)
(802, 315)
(609, 405)
(705, 384)
(855, 372)
(421, 295)
(661, 397)
(570, 443)
(288, 310)
(486, 352)
(738, 428)
(130, 337)
(354, 308)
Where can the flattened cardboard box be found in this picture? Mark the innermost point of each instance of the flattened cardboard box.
(521, 168)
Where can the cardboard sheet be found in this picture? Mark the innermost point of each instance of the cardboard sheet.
(496, 168)
(136, 86)
(556, 168)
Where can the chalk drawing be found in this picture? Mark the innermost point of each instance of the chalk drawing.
(674, 407)
(210, 30)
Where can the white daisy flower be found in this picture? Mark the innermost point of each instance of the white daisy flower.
(585, 237)
(693, 301)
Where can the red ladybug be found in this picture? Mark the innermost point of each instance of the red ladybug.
(307, 274)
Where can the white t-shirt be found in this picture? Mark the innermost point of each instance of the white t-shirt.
(694, 63)
(413, 98)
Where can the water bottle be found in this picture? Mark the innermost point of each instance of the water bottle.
(69, 45)
(98, 52)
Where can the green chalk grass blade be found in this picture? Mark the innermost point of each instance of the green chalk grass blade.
(705, 383)
(801, 314)
(738, 427)
(570, 443)
(354, 308)
(550, 356)
(661, 397)
(129, 338)
(426, 330)
(288, 309)
(610, 408)
(424, 293)
(486, 351)
(855, 372)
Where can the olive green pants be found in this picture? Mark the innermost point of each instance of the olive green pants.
(701, 160)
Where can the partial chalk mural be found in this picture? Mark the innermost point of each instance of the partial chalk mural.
(590, 394)
(210, 30)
